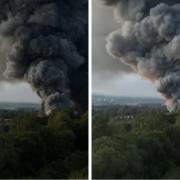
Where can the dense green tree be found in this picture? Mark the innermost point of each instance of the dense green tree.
(44, 147)
(141, 143)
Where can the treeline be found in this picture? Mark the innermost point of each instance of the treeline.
(53, 147)
(145, 147)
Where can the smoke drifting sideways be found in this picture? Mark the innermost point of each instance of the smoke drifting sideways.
(47, 47)
(148, 40)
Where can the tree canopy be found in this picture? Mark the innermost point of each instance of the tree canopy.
(142, 147)
(53, 147)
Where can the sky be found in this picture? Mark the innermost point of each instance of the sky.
(110, 76)
(13, 92)
(17, 92)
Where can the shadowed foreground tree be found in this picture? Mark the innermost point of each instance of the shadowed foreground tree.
(49, 147)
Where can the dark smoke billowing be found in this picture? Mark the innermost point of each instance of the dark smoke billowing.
(47, 41)
(148, 40)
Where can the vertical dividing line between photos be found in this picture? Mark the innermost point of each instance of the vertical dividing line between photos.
(90, 92)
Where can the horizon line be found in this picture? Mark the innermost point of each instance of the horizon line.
(102, 94)
(20, 102)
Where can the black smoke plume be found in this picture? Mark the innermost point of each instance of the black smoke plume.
(148, 41)
(48, 48)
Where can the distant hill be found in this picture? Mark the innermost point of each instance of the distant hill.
(18, 105)
(106, 100)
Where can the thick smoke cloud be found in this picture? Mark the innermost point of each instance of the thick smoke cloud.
(48, 48)
(148, 41)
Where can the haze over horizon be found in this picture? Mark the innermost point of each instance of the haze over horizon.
(127, 85)
(17, 92)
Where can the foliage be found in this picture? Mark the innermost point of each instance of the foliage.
(44, 147)
(142, 147)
